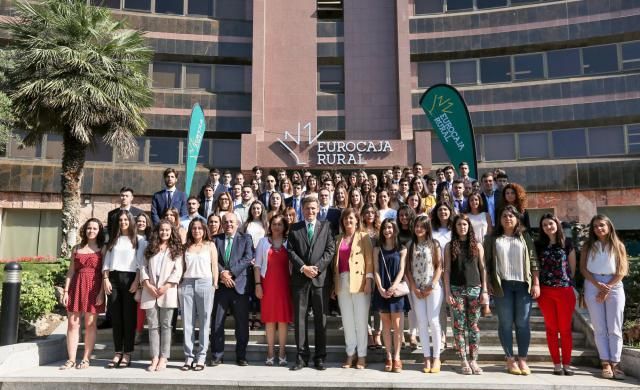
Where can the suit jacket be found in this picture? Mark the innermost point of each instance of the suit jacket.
(333, 216)
(263, 198)
(159, 204)
(441, 186)
(239, 260)
(171, 272)
(318, 252)
(111, 216)
(360, 262)
(201, 208)
(289, 203)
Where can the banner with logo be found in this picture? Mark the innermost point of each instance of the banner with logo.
(197, 127)
(450, 119)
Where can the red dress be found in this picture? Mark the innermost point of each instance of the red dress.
(86, 283)
(276, 301)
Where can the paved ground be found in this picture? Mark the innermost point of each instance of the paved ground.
(254, 376)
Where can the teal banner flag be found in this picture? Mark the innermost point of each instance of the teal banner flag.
(450, 119)
(197, 127)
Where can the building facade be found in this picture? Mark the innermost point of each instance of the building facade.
(553, 89)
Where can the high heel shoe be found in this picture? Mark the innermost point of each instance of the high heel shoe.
(512, 367)
(125, 361)
(397, 366)
(388, 365)
(435, 367)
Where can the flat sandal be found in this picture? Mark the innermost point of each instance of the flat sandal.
(67, 365)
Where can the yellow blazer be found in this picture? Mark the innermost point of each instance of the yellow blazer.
(360, 262)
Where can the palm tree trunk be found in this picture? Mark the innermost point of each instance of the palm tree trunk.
(72, 170)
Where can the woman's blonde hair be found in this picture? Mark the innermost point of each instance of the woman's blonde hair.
(613, 243)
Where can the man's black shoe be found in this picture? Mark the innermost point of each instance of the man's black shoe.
(299, 365)
(242, 362)
(320, 365)
(215, 362)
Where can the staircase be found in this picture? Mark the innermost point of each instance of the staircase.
(490, 349)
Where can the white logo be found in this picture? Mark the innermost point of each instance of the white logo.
(297, 140)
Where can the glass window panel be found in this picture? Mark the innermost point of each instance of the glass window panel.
(140, 5)
(491, 3)
(163, 150)
(170, 7)
(54, 147)
(166, 75)
(137, 156)
(200, 7)
(563, 63)
(438, 154)
(533, 145)
(459, 5)
(230, 9)
(198, 76)
(569, 143)
(499, 147)
(528, 66)
(631, 55)
(463, 72)
(600, 59)
(203, 154)
(99, 152)
(27, 152)
(431, 73)
(495, 69)
(429, 6)
(330, 78)
(606, 141)
(633, 132)
(524, 1)
(226, 153)
(106, 3)
(229, 78)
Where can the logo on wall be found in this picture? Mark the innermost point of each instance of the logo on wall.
(297, 140)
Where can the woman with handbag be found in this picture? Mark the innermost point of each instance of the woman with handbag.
(465, 282)
(390, 297)
(160, 275)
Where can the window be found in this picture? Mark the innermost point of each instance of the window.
(600, 59)
(166, 75)
(139, 5)
(54, 147)
(463, 72)
(37, 231)
(605, 141)
(200, 7)
(495, 69)
(633, 138)
(99, 152)
(431, 73)
(198, 76)
(528, 67)
(138, 154)
(533, 145)
(230, 9)
(203, 153)
(330, 79)
(564, 63)
(163, 150)
(106, 3)
(429, 6)
(491, 3)
(499, 147)
(229, 78)
(459, 5)
(226, 153)
(170, 6)
(15, 151)
(569, 143)
(631, 55)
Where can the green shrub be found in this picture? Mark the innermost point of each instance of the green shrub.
(37, 296)
(632, 290)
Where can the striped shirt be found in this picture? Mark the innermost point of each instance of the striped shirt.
(510, 256)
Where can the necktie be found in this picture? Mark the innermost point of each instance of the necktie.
(295, 204)
(207, 208)
(310, 231)
(323, 214)
(168, 199)
(227, 251)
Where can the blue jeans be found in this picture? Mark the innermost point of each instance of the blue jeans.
(514, 307)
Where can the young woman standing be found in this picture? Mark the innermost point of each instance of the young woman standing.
(384, 210)
(441, 217)
(480, 220)
(604, 265)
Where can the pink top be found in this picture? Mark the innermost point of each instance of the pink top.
(343, 256)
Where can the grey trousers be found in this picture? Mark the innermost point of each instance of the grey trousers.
(159, 321)
(196, 302)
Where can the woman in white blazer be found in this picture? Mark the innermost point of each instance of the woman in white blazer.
(160, 275)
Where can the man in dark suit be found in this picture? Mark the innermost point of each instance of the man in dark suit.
(207, 202)
(311, 249)
(235, 252)
(169, 197)
(326, 212)
(295, 201)
(126, 198)
(269, 189)
(449, 174)
(490, 197)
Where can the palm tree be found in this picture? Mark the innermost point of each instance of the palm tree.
(77, 72)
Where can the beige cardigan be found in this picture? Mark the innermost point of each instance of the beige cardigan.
(171, 272)
(360, 262)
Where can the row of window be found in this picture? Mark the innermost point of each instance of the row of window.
(423, 7)
(209, 77)
(219, 9)
(151, 150)
(534, 66)
(555, 144)
(331, 78)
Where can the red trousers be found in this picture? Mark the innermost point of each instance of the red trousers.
(557, 305)
(140, 319)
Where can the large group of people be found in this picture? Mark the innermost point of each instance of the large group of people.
(401, 244)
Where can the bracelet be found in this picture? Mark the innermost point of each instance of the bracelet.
(105, 278)
(258, 284)
(65, 291)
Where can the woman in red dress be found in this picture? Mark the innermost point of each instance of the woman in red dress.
(83, 292)
(271, 273)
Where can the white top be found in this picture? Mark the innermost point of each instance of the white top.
(422, 265)
(510, 256)
(601, 260)
(156, 263)
(480, 225)
(388, 213)
(256, 231)
(443, 236)
(198, 264)
(123, 257)
(262, 254)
